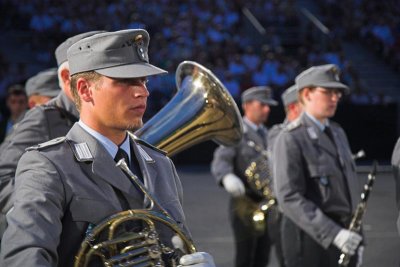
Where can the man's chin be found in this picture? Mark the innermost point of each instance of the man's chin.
(135, 126)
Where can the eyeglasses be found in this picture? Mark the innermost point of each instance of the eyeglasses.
(331, 92)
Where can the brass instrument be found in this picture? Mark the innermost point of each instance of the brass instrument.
(113, 245)
(356, 221)
(201, 110)
(258, 178)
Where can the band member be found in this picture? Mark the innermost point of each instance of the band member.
(42, 87)
(396, 172)
(317, 186)
(293, 110)
(40, 124)
(228, 167)
(68, 184)
(17, 104)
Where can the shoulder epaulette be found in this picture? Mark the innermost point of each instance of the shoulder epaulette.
(49, 107)
(293, 125)
(52, 142)
(142, 142)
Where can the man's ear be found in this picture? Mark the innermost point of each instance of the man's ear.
(66, 80)
(84, 90)
(306, 94)
(31, 103)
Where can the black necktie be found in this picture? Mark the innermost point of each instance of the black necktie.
(328, 132)
(121, 154)
(261, 133)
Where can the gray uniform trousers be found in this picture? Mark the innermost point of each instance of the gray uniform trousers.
(59, 193)
(317, 188)
(39, 125)
(252, 248)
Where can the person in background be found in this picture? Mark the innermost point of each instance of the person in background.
(316, 182)
(252, 245)
(42, 87)
(17, 104)
(293, 110)
(396, 173)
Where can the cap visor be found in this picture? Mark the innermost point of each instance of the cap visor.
(51, 93)
(270, 102)
(334, 85)
(131, 71)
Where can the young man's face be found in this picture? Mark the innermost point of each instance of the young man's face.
(118, 104)
(321, 102)
(256, 111)
(17, 104)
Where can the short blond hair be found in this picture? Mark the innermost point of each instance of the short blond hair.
(90, 76)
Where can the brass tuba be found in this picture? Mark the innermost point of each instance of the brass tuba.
(201, 110)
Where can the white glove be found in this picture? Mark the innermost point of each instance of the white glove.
(177, 243)
(347, 241)
(360, 253)
(233, 185)
(198, 259)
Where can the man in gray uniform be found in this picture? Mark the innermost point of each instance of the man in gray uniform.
(293, 110)
(68, 184)
(318, 188)
(39, 125)
(396, 173)
(42, 87)
(228, 167)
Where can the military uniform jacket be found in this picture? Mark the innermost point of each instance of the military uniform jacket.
(315, 182)
(236, 159)
(39, 125)
(274, 132)
(272, 135)
(58, 194)
(396, 172)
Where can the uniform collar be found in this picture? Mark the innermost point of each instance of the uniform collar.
(320, 125)
(111, 148)
(252, 125)
(64, 102)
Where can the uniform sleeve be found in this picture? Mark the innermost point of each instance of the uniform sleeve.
(30, 131)
(272, 134)
(290, 188)
(396, 172)
(33, 234)
(223, 162)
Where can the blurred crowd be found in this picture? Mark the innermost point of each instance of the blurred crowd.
(212, 33)
(375, 23)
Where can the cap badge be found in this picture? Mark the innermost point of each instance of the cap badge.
(335, 72)
(139, 43)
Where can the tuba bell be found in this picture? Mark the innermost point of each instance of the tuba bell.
(201, 110)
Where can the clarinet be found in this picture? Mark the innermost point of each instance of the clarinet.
(356, 221)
